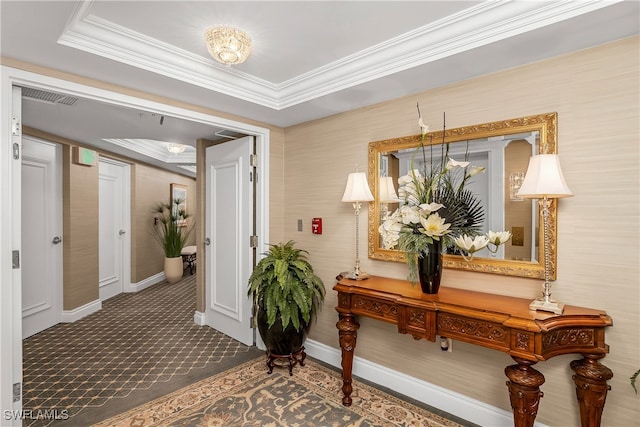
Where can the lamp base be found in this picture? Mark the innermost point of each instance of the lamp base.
(356, 276)
(542, 304)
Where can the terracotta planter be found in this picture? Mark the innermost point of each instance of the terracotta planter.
(173, 269)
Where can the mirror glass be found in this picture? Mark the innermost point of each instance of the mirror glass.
(503, 148)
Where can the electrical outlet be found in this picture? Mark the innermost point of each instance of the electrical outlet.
(517, 236)
(446, 344)
(299, 225)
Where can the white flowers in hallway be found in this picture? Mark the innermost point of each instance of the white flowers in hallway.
(436, 206)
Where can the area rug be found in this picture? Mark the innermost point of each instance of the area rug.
(248, 396)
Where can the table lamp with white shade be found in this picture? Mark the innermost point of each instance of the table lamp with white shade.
(544, 181)
(386, 194)
(356, 192)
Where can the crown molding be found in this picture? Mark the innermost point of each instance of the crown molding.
(190, 168)
(156, 150)
(485, 23)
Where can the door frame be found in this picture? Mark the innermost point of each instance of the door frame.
(10, 313)
(125, 254)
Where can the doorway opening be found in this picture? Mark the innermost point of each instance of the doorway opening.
(10, 352)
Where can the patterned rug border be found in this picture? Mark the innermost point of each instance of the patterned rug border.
(368, 402)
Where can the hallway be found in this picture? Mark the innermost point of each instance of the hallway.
(139, 346)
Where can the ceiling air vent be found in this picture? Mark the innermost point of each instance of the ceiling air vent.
(229, 134)
(49, 97)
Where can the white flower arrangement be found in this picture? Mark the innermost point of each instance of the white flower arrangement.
(435, 207)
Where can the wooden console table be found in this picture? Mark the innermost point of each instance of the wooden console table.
(498, 322)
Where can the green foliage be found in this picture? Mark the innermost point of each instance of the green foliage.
(633, 379)
(463, 209)
(172, 229)
(285, 286)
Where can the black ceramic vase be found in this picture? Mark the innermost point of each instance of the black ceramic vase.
(430, 268)
(280, 342)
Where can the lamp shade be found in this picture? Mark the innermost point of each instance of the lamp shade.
(357, 189)
(387, 193)
(544, 178)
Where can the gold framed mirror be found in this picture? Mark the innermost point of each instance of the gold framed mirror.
(504, 148)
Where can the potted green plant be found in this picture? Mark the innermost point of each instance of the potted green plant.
(171, 229)
(287, 295)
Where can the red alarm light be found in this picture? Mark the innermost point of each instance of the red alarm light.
(316, 225)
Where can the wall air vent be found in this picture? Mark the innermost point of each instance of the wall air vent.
(48, 97)
(229, 134)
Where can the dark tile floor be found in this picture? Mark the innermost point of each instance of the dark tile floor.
(135, 342)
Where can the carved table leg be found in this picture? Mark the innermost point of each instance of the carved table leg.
(591, 387)
(524, 391)
(348, 332)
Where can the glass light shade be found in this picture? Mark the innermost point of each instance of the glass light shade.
(176, 148)
(387, 190)
(228, 45)
(515, 182)
(357, 189)
(544, 179)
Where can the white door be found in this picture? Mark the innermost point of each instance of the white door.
(229, 225)
(113, 219)
(41, 235)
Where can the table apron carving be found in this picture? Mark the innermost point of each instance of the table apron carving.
(496, 322)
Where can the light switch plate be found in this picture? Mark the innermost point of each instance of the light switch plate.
(517, 236)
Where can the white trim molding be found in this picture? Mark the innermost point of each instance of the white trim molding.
(70, 316)
(145, 283)
(479, 25)
(199, 318)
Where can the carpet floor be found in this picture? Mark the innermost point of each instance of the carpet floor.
(248, 396)
(139, 346)
(145, 347)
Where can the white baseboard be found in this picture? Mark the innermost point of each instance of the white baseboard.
(70, 316)
(198, 318)
(438, 397)
(145, 283)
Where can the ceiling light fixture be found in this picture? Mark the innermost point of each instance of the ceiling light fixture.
(228, 45)
(176, 148)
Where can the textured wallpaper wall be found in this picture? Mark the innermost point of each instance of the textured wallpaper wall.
(595, 93)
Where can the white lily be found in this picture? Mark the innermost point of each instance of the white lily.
(390, 232)
(424, 128)
(456, 164)
(409, 178)
(498, 237)
(431, 207)
(476, 170)
(471, 245)
(434, 226)
(410, 214)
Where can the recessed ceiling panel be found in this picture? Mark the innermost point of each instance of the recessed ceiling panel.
(290, 38)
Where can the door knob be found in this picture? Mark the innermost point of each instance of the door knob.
(207, 241)
(121, 232)
(57, 240)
